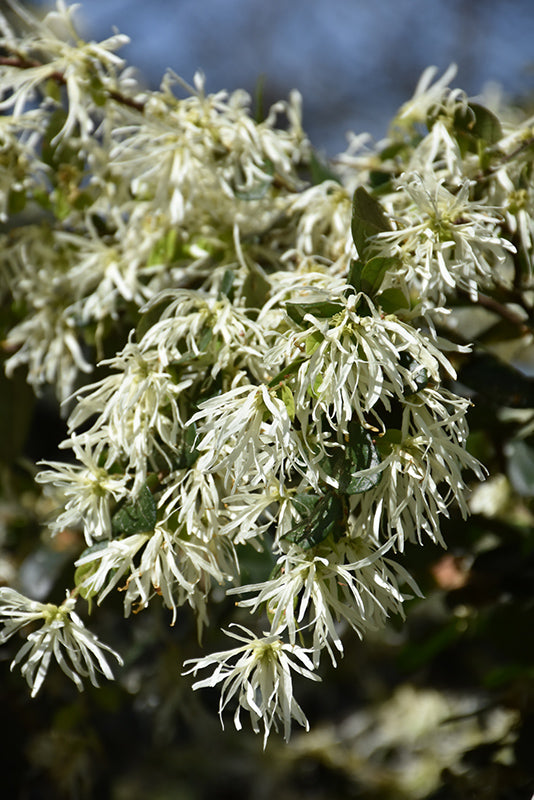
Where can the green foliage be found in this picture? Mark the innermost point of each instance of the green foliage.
(368, 219)
(137, 516)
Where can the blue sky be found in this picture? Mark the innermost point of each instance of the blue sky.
(355, 61)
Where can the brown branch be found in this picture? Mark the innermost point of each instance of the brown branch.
(26, 63)
(504, 312)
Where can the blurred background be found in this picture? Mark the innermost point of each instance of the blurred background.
(355, 62)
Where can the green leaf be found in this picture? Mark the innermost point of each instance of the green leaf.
(320, 171)
(380, 181)
(327, 516)
(476, 127)
(354, 277)
(286, 372)
(227, 283)
(188, 452)
(386, 442)
(322, 309)
(392, 300)
(374, 272)
(368, 219)
(482, 123)
(361, 453)
(204, 339)
(346, 462)
(256, 288)
(313, 341)
(137, 516)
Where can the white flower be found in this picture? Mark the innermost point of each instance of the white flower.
(180, 569)
(445, 240)
(422, 471)
(66, 54)
(345, 582)
(63, 635)
(323, 221)
(246, 430)
(430, 97)
(196, 328)
(47, 339)
(100, 568)
(259, 674)
(88, 488)
(351, 363)
(138, 407)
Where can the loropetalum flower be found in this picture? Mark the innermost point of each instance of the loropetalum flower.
(62, 635)
(88, 489)
(449, 242)
(259, 674)
(265, 382)
(138, 409)
(349, 583)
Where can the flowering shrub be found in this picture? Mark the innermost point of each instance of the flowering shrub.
(274, 340)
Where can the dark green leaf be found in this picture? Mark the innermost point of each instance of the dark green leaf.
(354, 277)
(368, 219)
(361, 453)
(188, 452)
(138, 516)
(256, 288)
(480, 122)
(380, 180)
(385, 443)
(327, 517)
(476, 127)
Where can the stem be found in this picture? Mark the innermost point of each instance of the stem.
(25, 63)
(504, 312)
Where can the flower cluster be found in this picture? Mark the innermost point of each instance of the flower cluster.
(62, 634)
(271, 374)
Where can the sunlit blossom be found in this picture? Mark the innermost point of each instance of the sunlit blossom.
(62, 635)
(258, 674)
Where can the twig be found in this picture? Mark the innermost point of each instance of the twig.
(27, 63)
